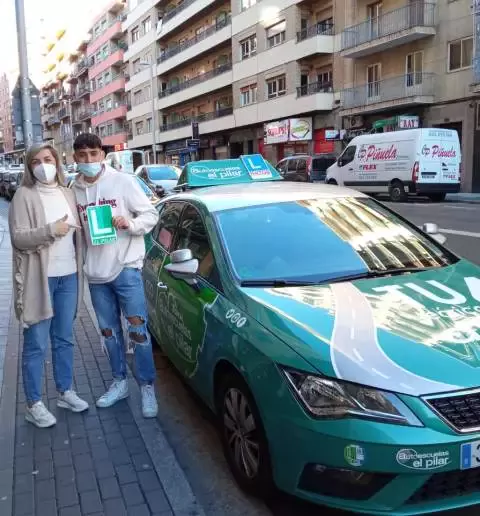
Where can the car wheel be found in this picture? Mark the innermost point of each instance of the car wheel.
(332, 182)
(243, 436)
(397, 192)
(437, 197)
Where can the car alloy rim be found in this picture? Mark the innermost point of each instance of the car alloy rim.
(241, 432)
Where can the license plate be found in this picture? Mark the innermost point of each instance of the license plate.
(470, 455)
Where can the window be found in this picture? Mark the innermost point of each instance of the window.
(246, 4)
(136, 66)
(149, 125)
(460, 54)
(192, 235)
(138, 128)
(414, 68)
(374, 13)
(108, 104)
(325, 78)
(147, 25)
(347, 156)
(373, 81)
(248, 95)
(137, 98)
(276, 34)
(109, 130)
(135, 34)
(276, 87)
(147, 93)
(167, 225)
(292, 165)
(103, 131)
(248, 47)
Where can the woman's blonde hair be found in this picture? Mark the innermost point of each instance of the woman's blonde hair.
(28, 178)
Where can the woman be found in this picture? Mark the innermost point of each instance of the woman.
(47, 279)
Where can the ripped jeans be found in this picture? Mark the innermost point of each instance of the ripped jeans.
(124, 294)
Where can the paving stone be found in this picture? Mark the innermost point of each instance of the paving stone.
(86, 481)
(109, 488)
(126, 474)
(157, 501)
(83, 462)
(132, 494)
(71, 511)
(46, 508)
(114, 507)
(67, 495)
(139, 510)
(45, 490)
(90, 502)
(149, 481)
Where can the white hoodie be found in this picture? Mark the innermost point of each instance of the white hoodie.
(103, 263)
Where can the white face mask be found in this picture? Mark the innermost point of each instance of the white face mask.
(45, 172)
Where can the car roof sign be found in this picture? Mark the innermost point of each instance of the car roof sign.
(252, 168)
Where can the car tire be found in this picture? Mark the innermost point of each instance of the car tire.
(243, 437)
(332, 182)
(397, 192)
(437, 197)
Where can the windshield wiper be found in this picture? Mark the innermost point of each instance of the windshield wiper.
(378, 274)
(276, 283)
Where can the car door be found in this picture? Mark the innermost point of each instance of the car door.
(188, 308)
(282, 167)
(158, 244)
(346, 164)
(302, 170)
(291, 173)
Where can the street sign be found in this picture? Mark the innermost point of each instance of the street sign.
(100, 224)
(192, 142)
(256, 166)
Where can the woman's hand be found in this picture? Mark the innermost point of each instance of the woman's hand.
(60, 227)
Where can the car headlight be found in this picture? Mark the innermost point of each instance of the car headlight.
(335, 399)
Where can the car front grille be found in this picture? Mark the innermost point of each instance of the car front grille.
(450, 484)
(461, 411)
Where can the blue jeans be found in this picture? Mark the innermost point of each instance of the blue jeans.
(63, 295)
(124, 294)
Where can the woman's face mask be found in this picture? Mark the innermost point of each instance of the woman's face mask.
(45, 172)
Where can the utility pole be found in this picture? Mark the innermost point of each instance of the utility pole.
(24, 78)
(154, 128)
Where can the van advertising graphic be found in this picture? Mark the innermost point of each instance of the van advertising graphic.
(374, 152)
(437, 151)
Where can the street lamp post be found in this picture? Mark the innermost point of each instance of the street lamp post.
(154, 124)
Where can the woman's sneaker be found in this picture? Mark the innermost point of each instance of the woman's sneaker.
(40, 416)
(116, 392)
(70, 400)
(149, 401)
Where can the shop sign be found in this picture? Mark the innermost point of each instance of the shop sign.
(408, 122)
(300, 129)
(276, 132)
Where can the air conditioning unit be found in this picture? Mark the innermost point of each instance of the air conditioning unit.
(353, 122)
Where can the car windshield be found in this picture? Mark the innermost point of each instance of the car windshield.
(145, 187)
(163, 173)
(322, 240)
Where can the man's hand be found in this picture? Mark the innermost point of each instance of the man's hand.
(120, 223)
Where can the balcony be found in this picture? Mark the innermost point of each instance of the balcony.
(206, 43)
(113, 31)
(80, 68)
(406, 90)
(214, 121)
(389, 30)
(117, 137)
(83, 115)
(118, 110)
(53, 120)
(53, 99)
(214, 79)
(116, 83)
(63, 113)
(188, 8)
(113, 58)
(317, 39)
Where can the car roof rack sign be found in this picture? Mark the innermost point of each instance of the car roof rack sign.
(252, 168)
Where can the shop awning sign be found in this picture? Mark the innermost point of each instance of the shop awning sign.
(276, 132)
(289, 130)
(408, 122)
(300, 129)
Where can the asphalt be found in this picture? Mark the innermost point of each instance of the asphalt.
(183, 440)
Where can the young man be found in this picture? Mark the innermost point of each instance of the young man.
(114, 270)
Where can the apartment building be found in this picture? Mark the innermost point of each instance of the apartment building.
(6, 115)
(105, 57)
(255, 77)
(409, 64)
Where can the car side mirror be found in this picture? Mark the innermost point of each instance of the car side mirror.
(183, 266)
(340, 162)
(432, 229)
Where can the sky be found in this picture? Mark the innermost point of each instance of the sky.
(43, 19)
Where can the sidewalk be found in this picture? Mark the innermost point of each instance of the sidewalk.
(473, 198)
(108, 462)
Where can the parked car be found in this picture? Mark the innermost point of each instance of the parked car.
(161, 178)
(4, 183)
(13, 184)
(302, 167)
(152, 196)
(69, 178)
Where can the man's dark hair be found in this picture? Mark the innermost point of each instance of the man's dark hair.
(87, 141)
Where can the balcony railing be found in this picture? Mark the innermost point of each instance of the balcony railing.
(319, 29)
(411, 85)
(196, 80)
(81, 67)
(53, 120)
(121, 18)
(415, 14)
(53, 99)
(82, 91)
(63, 113)
(83, 115)
(204, 117)
(313, 88)
(180, 47)
(176, 10)
(115, 105)
(113, 77)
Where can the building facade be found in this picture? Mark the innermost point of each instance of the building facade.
(6, 122)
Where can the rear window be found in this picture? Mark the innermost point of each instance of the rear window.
(322, 163)
(162, 173)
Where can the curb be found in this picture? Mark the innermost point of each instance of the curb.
(463, 199)
(172, 477)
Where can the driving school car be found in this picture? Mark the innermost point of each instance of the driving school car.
(337, 343)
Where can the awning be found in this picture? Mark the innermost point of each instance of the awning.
(386, 122)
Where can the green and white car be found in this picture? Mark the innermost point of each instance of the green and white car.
(337, 343)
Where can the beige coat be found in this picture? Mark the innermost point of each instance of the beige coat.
(31, 238)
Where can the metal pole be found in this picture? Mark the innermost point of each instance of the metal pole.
(24, 79)
(70, 116)
(154, 124)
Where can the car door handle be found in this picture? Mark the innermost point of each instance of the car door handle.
(162, 286)
(350, 169)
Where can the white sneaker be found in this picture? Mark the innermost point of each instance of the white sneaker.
(149, 401)
(70, 400)
(116, 392)
(39, 415)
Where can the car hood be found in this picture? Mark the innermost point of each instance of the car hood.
(167, 184)
(414, 334)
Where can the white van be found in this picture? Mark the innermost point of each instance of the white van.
(126, 161)
(413, 161)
